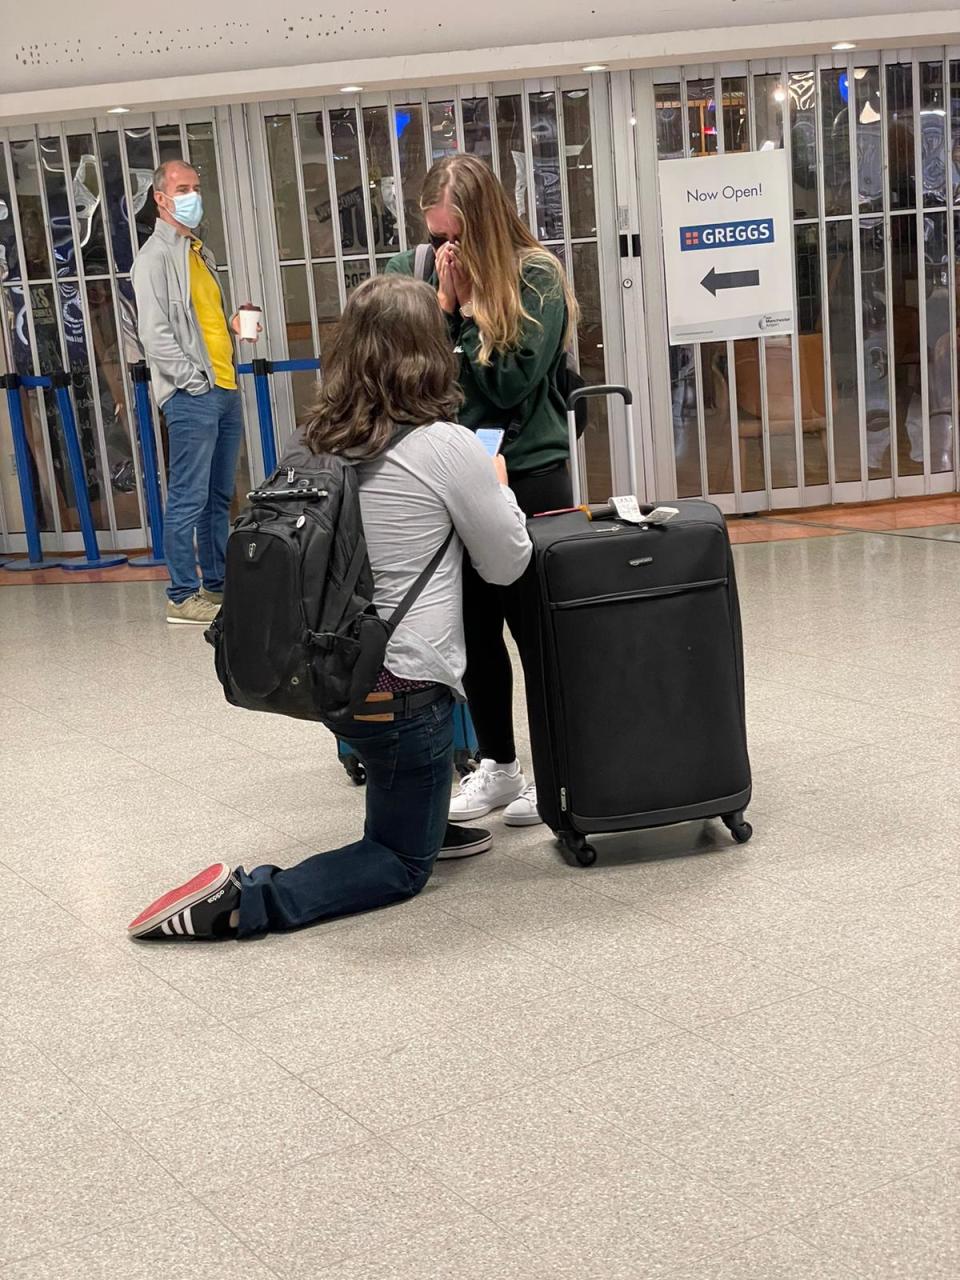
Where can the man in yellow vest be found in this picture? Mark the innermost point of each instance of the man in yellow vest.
(188, 344)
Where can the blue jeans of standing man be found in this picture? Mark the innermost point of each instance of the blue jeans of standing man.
(204, 434)
(409, 765)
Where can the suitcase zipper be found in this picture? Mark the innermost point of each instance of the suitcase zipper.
(650, 593)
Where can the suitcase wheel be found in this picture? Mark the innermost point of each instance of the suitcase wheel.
(582, 850)
(354, 770)
(738, 826)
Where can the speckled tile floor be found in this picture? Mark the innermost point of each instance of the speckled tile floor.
(695, 1060)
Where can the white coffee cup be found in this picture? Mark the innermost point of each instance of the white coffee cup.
(250, 322)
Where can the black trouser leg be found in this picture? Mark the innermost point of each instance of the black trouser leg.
(489, 676)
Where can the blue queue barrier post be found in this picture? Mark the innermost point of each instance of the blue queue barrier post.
(149, 458)
(262, 371)
(11, 383)
(92, 558)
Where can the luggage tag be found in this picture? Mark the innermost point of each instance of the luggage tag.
(628, 510)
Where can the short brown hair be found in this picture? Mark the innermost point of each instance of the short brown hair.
(390, 362)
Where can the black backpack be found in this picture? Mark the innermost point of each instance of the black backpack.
(298, 633)
(568, 378)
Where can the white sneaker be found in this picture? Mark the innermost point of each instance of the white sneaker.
(489, 787)
(523, 812)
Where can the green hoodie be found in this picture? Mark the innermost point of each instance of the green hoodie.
(516, 391)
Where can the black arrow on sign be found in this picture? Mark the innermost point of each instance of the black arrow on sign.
(715, 280)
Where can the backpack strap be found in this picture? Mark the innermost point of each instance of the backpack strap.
(405, 605)
(423, 262)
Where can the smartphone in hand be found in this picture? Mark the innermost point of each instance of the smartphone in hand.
(491, 438)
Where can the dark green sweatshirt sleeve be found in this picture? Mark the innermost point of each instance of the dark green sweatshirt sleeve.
(401, 264)
(510, 377)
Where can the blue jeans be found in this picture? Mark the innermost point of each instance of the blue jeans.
(204, 433)
(409, 767)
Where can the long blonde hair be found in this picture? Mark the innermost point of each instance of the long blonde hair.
(496, 248)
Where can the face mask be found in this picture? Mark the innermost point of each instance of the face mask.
(188, 209)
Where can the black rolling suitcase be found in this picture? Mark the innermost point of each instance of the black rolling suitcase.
(638, 720)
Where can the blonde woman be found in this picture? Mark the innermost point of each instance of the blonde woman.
(510, 312)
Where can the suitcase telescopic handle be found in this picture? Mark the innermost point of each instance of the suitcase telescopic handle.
(607, 389)
(584, 393)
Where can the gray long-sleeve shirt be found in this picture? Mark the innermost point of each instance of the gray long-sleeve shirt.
(436, 476)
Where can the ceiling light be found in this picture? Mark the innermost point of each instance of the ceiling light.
(779, 95)
(860, 73)
(842, 46)
(352, 88)
(118, 111)
(595, 66)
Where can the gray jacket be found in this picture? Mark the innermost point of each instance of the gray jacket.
(166, 322)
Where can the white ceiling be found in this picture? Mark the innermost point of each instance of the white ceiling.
(60, 60)
(50, 44)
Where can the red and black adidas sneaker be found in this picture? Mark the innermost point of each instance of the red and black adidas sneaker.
(200, 908)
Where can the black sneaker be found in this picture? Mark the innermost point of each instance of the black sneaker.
(464, 842)
(198, 909)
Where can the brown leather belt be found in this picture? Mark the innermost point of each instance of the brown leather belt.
(391, 705)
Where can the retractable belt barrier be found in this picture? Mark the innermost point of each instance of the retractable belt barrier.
(262, 371)
(149, 458)
(26, 477)
(60, 383)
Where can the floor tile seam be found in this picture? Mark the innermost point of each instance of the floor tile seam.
(382, 1141)
(532, 1076)
(179, 780)
(817, 1254)
(555, 1078)
(692, 1027)
(717, 1180)
(744, 945)
(388, 1134)
(486, 895)
(79, 1085)
(487, 1208)
(787, 650)
(79, 1071)
(505, 942)
(131, 1137)
(809, 1091)
(854, 529)
(298, 1074)
(128, 1139)
(796, 1224)
(604, 988)
(208, 1014)
(74, 1241)
(917, 535)
(443, 1030)
(39, 888)
(643, 1145)
(787, 892)
(176, 778)
(880, 1001)
(841, 901)
(786, 682)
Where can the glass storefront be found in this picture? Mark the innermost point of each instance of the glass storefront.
(305, 200)
(862, 402)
